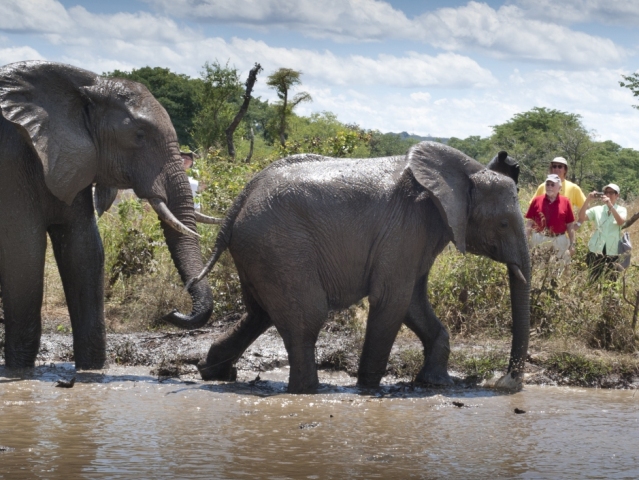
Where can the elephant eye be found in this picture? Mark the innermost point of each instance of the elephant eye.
(140, 134)
(504, 223)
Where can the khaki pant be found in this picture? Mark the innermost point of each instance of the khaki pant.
(558, 244)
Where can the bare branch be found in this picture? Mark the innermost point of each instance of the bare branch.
(250, 82)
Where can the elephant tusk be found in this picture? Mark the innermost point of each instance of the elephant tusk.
(201, 218)
(165, 215)
(515, 270)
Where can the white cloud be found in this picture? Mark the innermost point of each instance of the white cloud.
(611, 12)
(34, 16)
(508, 33)
(337, 19)
(18, 54)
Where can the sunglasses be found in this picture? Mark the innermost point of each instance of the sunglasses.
(550, 184)
(610, 192)
(557, 165)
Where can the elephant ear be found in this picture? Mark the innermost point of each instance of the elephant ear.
(445, 173)
(45, 101)
(506, 165)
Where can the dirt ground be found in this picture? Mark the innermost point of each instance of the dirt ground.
(175, 353)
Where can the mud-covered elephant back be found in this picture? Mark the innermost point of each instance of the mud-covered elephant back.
(445, 173)
(46, 100)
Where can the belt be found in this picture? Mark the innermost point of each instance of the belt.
(552, 234)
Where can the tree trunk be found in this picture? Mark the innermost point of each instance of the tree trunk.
(250, 82)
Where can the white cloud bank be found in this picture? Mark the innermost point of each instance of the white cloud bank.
(507, 32)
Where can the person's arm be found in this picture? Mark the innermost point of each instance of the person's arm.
(571, 236)
(620, 221)
(581, 216)
(529, 228)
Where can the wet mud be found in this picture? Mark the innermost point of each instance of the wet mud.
(175, 354)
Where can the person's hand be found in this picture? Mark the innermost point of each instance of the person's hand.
(592, 195)
(571, 250)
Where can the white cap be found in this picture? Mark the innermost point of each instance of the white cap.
(559, 160)
(554, 178)
(614, 186)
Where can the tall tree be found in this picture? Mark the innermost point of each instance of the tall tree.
(219, 96)
(282, 81)
(536, 136)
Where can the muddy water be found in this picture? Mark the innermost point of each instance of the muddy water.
(126, 424)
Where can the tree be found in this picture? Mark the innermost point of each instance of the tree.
(475, 147)
(177, 93)
(250, 82)
(387, 144)
(219, 96)
(632, 84)
(282, 81)
(536, 136)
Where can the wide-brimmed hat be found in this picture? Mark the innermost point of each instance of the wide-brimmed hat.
(554, 178)
(614, 186)
(559, 160)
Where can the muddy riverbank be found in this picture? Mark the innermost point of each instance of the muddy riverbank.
(174, 354)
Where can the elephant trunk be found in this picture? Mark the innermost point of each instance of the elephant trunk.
(520, 302)
(185, 249)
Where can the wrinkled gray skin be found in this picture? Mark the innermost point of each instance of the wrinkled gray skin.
(63, 129)
(309, 234)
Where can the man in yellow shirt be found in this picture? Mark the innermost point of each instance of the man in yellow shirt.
(559, 166)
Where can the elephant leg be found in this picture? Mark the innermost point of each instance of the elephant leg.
(384, 320)
(80, 258)
(219, 363)
(422, 320)
(21, 273)
(299, 319)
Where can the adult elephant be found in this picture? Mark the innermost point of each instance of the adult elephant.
(309, 234)
(62, 130)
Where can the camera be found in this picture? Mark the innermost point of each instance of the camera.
(599, 194)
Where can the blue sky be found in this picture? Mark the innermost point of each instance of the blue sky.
(443, 68)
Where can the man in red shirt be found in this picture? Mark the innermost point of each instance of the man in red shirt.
(549, 219)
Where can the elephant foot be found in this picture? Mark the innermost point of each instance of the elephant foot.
(92, 364)
(302, 388)
(222, 371)
(437, 377)
(369, 380)
(511, 382)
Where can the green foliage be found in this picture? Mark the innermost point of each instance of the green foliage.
(134, 243)
(220, 98)
(537, 136)
(481, 149)
(388, 144)
(177, 93)
(578, 368)
(323, 134)
(282, 81)
(479, 367)
(632, 84)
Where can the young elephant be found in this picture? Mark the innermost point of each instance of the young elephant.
(309, 234)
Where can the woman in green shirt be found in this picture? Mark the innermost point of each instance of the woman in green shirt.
(608, 219)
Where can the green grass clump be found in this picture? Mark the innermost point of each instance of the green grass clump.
(577, 368)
